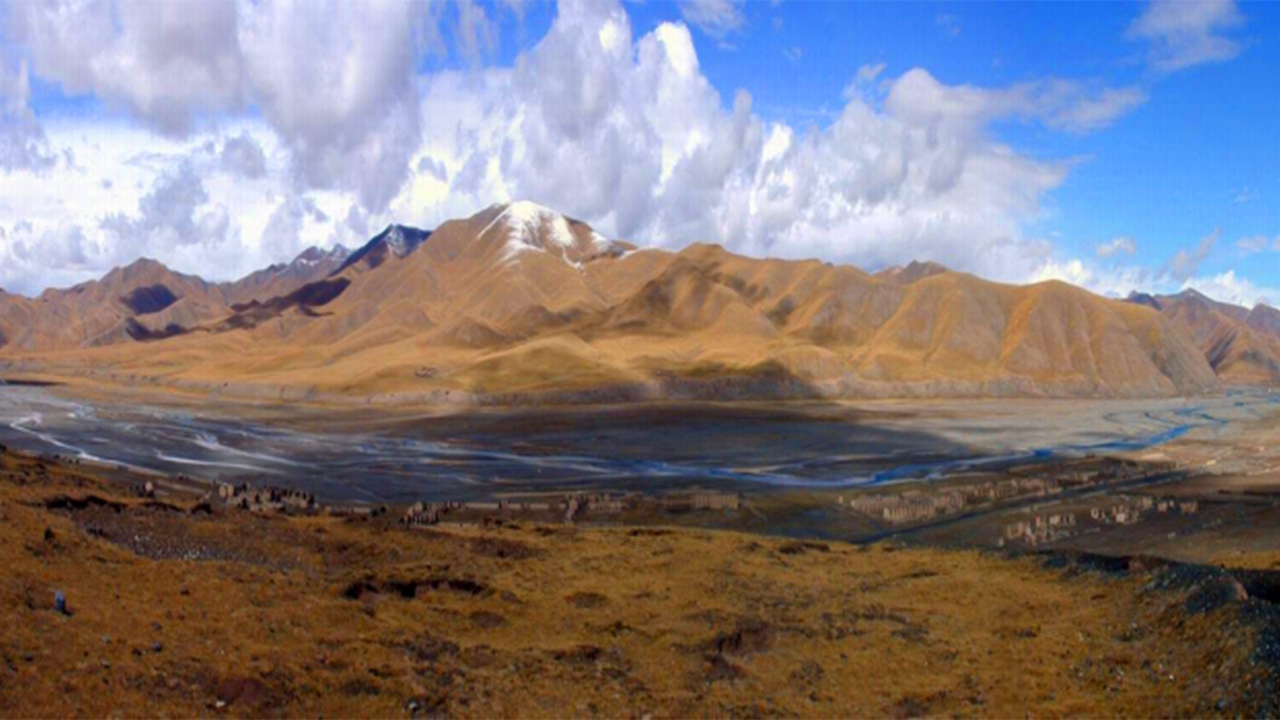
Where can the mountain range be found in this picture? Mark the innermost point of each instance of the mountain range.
(519, 303)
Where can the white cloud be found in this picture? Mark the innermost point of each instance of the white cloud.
(174, 213)
(1117, 246)
(1116, 282)
(334, 79)
(336, 83)
(477, 33)
(863, 81)
(243, 155)
(23, 145)
(1186, 262)
(283, 235)
(164, 62)
(627, 133)
(1257, 243)
(948, 23)
(1060, 104)
(717, 18)
(1185, 33)
(1229, 288)
(129, 196)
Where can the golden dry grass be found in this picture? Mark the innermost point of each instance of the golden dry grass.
(325, 617)
(462, 317)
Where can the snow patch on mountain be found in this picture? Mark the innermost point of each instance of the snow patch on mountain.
(313, 256)
(530, 227)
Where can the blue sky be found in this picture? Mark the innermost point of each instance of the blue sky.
(1117, 146)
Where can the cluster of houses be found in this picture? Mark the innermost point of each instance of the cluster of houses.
(571, 507)
(266, 499)
(1056, 526)
(421, 514)
(1039, 529)
(1130, 510)
(917, 505)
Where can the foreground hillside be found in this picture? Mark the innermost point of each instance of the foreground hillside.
(518, 303)
(179, 611)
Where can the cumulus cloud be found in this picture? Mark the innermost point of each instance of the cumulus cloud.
(336, 83)
(430, 166)
(1185, 33)
(164, 62)
(62, 254)
(1117, 246)
(23, 145)
(242, 155)
(1116, 282)
(282, 237)
(173, 214)
(628, 133)
(1230, 288)
(334, 79)
(1186, 261)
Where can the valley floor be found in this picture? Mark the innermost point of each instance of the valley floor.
(177, 608)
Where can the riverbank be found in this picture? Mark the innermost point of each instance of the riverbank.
(375, 455)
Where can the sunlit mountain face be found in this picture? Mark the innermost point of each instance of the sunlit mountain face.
(521, 299)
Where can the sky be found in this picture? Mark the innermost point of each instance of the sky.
(1118, 146)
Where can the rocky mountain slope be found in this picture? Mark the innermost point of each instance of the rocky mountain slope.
(520, 302)
(1241, 345)
(277, 280)
(145, 301)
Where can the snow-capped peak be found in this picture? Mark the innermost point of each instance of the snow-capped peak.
(312, 257)
(400, 240)
(529, 226)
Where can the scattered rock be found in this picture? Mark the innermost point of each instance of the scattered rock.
(749, 638)
(502, 548)
(808, 674)
(802, 546)
(587, 600)
(719, 669)
(430, 648)
(487, 620)
(243, 692)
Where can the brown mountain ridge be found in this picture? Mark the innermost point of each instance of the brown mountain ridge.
(1241, 345)
(518, 303)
